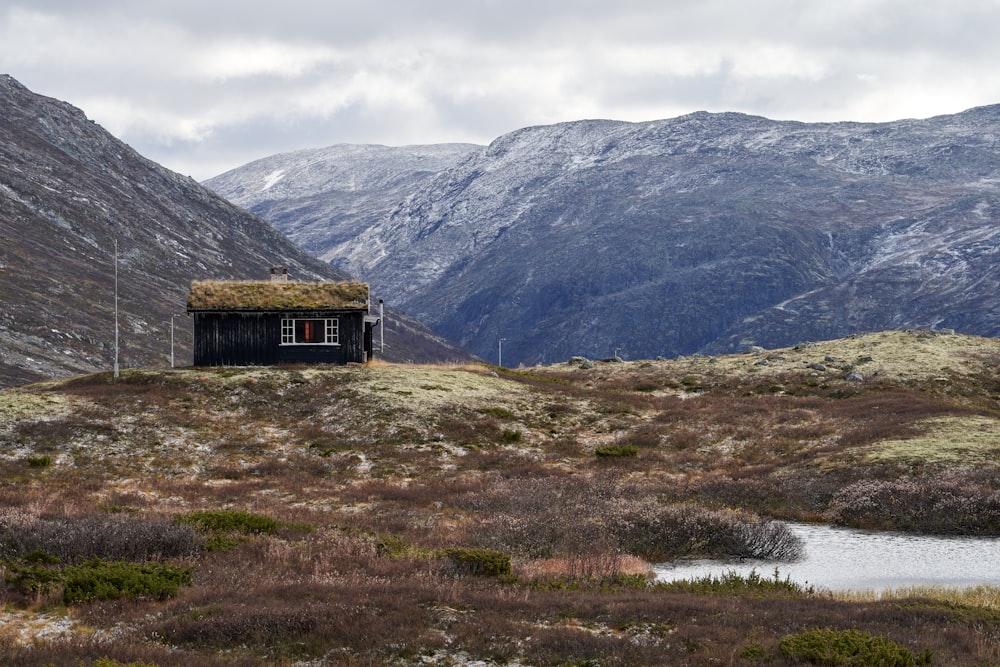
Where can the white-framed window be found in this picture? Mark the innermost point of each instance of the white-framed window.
(321, 331)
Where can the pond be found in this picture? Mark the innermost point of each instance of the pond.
(844, 559)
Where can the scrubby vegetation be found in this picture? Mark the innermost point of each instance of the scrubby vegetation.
(850, 647)
(387, 515)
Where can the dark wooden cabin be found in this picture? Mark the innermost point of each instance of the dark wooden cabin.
(279, 321)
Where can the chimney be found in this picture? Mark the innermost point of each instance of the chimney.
(275, 275)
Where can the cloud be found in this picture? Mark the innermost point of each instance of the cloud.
(202, 86)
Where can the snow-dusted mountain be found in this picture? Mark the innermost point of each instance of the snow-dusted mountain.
(708, 232)
(327, 196)
(68, 191)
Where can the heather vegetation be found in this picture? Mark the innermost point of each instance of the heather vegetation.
(401, 515)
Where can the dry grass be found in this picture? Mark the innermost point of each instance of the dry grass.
(982, 597)
(967, 440)
(393, 465)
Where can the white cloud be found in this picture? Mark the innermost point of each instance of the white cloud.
(777, 61)
(196, 85)
(244, 58)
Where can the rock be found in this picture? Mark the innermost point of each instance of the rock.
(855, 377)
(587, 364)
(575, 361)
(755, 349)
(818, 367)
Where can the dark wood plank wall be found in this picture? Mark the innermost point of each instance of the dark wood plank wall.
(254, 339)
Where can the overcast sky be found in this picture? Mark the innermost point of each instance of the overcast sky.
(203, 86)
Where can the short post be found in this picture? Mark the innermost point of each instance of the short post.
(172, 339)
(500, 352)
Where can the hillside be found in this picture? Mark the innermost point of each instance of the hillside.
(708, 232)
(68, 192)
(367, 515)
(328, 196)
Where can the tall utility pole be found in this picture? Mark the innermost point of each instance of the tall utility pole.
(500, 352)
(116, 309)
(381, 327)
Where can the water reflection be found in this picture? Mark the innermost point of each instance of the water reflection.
(843, 559)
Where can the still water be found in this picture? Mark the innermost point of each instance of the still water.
(844, 559)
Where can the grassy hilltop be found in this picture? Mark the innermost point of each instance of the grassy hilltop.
(447, 515)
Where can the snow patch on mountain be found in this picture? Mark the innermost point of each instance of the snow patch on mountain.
(272, 178)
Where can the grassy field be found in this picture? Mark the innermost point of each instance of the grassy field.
(446, 515)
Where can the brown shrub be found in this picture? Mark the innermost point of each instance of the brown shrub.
(78, 651)
(110, 538)
(939, 506)
(570, 517)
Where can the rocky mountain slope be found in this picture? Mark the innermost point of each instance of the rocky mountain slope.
(328, 196)
(68, 192)
(708, 232)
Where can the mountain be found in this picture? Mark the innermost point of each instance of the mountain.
(704, 233)
(328, 196)
(68, 192)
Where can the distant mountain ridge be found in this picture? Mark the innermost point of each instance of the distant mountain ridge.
(68, 192)
(704, 233)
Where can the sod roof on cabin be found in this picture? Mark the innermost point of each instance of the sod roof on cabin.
(271, 295)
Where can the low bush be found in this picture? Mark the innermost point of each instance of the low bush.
(850, 647)
(391, 546)
(43, 461)
(109, 662)
(511, 435)
(616, 451)
(500, 413)
(229, 521)
(483, 562)
(271, 627)
(569, 517)
(756, 652)
(236, 521)
(606, 583)
(115, 537)
(660, 532)
(99, 580)
(929, 506)
(734, 583)
(34, 579)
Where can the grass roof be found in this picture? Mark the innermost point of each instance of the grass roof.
(275, 295)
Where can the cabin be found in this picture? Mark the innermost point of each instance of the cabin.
(280, 321)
